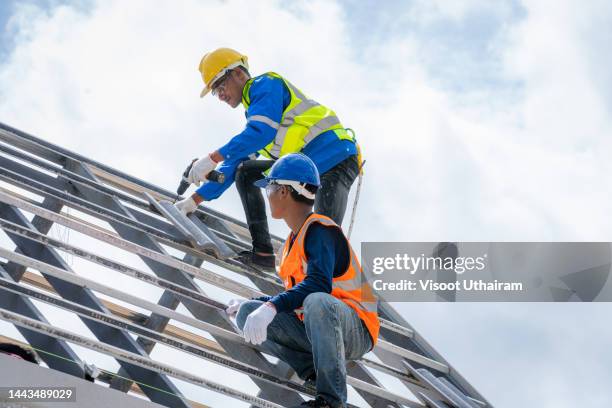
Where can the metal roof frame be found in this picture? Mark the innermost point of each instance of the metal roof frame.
(65, 179)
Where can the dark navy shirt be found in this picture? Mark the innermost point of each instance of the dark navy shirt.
(270, 97)
(327, 254)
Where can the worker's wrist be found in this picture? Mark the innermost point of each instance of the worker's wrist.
(216, 156)
(270, 304)
(197, 198)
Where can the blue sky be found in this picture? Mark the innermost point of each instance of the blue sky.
(459, 52)
(484, 121)
(7, 10)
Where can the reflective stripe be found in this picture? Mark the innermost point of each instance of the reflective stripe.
(300, 238)
(354, 292)
(348, 285)
(287, 121)
(275, 151)
(264, 119)
(296, 91)
(300, 108)
(300, 104)
(320, 127)
(356, 282)
(370, 307)
(278, 144)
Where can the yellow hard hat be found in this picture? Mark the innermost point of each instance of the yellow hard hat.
(216, 63)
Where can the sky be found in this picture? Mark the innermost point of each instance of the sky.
(479, 120)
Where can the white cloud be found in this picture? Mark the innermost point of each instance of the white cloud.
(425, 12)
(119, 83)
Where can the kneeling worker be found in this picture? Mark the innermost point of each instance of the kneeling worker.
(328, 313)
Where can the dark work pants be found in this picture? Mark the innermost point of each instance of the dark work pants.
(331, 199)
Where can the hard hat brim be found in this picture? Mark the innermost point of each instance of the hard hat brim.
(206, 89)
(262, 183)
(297, 186)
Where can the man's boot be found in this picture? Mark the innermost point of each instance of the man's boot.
(262, 262)
(317, 403)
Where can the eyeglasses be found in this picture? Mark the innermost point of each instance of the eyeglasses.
(271, 188)
(219, 85)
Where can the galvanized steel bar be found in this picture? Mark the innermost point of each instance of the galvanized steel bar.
(132, 358)
(269, 278)
(58, 155)
(197, 238)
(450, 395)
(72, 178)
(109, 263)
(13, 228)
(411, 355)
(200, 273)
(155, 336)
(108, 215)
(24, 306)
(391, 323)
(453, 389)
(431, 403)
(200, 311)
(419, 344)
(114, 217)
(115, 293)
(193, 349)
(86, 297)
(224, 250)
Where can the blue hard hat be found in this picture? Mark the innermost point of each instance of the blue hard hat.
(292, 167)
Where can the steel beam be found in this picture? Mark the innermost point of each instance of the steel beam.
(59, 155)
(79, 177)
(23, 306)
(86, 297)
(135, 359)
(156, 323)
(200, 311)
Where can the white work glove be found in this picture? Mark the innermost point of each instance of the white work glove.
(200, 169)
(255, 329)
(233, 306)
(186, 206)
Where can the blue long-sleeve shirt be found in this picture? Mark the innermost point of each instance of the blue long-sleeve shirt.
(327, 254)
(269, 97)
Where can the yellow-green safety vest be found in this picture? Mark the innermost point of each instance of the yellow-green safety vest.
(303, 120)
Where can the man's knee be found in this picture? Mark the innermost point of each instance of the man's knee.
(249, 171)
(241, 176)
(318, 304)
(245, 309)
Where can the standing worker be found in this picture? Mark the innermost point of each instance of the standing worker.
(280, 120)
(328, 313)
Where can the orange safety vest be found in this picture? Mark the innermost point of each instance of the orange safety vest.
(351, 287)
